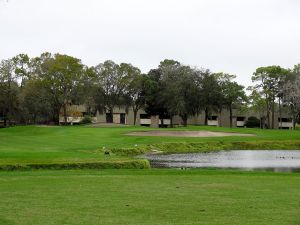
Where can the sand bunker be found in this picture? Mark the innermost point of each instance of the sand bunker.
(187, 134)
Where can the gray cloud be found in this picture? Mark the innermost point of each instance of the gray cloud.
(223, 35)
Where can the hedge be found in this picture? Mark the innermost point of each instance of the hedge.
(130, 164)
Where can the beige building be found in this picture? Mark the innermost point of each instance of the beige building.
(121, 116)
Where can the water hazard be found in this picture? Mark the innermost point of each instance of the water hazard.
(273, 160)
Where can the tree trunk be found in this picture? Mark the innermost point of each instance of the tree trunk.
(111, 115)
(294, 121)
(268, 112)
(273, 111)
(268, 117)
(206, 117)
(260, 123)
(220, 117)
(56, 113)
(171, 121)
(184, 119)
(134, 116)
(8, 111)
(230, 115)
(280, 119)
(184, 122)
(65, 114)
(34, 118)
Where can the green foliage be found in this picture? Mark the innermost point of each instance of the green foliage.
(114, 80)
(210, 93)
(86, 120)
(269, 81)
(136, 93)
(180, 92)
(60, 75)
(233, 94)
(35, 102)
(8, 92)
(252, 122)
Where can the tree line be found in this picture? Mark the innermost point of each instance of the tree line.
(39, 89)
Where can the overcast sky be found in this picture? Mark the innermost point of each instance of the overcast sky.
(233, 36)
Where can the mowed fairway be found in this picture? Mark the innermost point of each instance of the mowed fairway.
(150, 197)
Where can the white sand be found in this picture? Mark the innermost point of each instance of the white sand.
(186, 134)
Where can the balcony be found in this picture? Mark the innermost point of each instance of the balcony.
(212, 123)
(148, 122)
(285, 124)
(240, 123)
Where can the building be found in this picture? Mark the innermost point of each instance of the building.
(75, 114)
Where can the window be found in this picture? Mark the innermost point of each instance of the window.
(213, 118)
(285, 120)
(144, 116)
(109, 118)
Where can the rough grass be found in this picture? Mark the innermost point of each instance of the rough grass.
(191, 147)
(149, 197)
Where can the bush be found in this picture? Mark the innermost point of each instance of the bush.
(252, 122)
(86, 120)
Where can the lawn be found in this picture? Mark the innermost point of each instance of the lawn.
(149, 197)
(129, 197)
(35, 144)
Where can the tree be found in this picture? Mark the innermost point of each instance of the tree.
(60, 74)
(154, 103)
(269, 79)
(113, 78)
(233, 94)
(87, 92)
(252, 122)
(181, 90)
(130, 84)
(21, 64)
(8, 91)
(291, 93)
(35, 102)
(258, 104)
(136, 93)
(210, 93)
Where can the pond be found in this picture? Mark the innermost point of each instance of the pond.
(273, 160)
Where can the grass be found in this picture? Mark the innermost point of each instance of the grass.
(138, 197)
(149, 197)
(84, 144)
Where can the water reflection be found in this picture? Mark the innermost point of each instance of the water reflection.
(273, 160)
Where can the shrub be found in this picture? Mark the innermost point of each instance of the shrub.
(86, 120)
(252, 122)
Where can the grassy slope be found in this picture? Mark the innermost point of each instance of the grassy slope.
(149, 197)
(34, 144)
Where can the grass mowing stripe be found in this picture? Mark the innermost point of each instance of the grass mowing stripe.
(149, 197)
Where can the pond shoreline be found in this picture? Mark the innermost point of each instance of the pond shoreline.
(270, 160)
